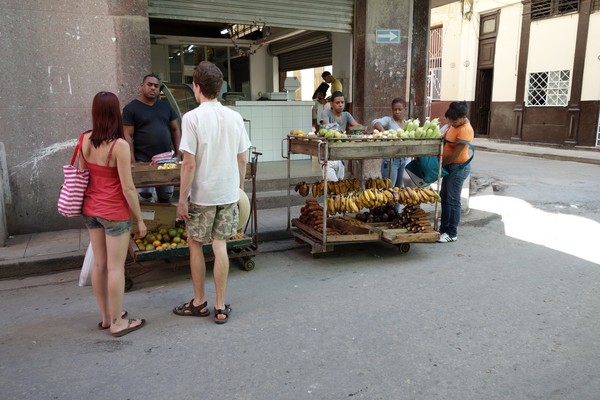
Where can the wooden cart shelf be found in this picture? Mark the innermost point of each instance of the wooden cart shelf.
(360, 149)
(146, 175)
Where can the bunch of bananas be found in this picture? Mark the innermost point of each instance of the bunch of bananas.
(312, 215)
(333, 188)
(302, 189)
(343, 203)
(408, 195)
(343, 186)
(372, 198)
(378, 183)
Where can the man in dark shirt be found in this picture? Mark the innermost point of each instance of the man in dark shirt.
(151, 128)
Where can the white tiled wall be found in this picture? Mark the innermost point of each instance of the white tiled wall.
(271, 121)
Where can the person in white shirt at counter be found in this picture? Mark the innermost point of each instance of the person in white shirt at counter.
(336, 168)
(321, 103)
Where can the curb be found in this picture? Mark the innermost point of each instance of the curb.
(540, 155)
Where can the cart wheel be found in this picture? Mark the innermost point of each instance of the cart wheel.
(249, 265)
(128, 284)
(404, 247)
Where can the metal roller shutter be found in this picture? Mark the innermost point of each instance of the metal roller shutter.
(330, 15)
(308, 57)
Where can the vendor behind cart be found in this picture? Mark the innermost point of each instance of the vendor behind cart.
(151, 128)
(336, 168)
(393, 168)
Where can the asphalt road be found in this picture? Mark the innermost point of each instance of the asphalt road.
(510, 311)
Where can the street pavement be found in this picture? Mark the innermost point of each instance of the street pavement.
(503, 313)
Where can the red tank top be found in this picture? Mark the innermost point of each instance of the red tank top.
(104, 196)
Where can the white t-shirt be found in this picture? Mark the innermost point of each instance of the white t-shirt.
(215, 134)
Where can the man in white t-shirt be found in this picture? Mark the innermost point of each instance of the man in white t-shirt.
(214, 144)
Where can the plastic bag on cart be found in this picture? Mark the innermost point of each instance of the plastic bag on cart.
(85, 276)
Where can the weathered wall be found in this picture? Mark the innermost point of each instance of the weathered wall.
(56, 55)
(382, 70)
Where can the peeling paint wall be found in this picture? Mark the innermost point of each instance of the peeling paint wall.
(58, 55)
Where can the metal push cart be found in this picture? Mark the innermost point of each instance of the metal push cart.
(356, 149)
(244, 248)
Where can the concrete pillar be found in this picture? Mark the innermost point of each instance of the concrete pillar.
(68, 51)
(382, 68)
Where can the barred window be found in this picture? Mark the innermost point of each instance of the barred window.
(596, 6)
(550, 8)
(548, 88)
(435, 63)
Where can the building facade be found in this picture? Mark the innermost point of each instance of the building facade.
(530, 70)
(57, 55)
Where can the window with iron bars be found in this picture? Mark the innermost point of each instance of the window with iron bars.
(596, 6)
(549, 88)
(435, 63)
(550, 8)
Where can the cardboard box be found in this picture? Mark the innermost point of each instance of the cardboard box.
(156, 216)
(149, 175)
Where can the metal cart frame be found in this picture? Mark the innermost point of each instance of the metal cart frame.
(245, 248)
(353, 149)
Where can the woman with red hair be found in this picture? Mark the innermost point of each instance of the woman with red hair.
(109, 201)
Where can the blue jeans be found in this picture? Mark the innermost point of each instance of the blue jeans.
(397, 173)
(450, 193)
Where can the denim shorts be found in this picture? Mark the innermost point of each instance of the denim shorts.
(111, 228)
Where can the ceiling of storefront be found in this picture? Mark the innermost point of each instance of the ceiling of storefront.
(161, 28)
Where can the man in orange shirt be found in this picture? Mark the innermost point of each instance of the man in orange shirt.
(453, 156)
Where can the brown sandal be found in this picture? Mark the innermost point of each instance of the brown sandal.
(100, 326)
(129, 328)
(190, 310)
(224, 312)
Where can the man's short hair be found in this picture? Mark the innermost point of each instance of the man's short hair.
(150, 75)
(209, 77)
(325, 74)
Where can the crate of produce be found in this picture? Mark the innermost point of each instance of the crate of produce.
(145, 174)
(156, 216)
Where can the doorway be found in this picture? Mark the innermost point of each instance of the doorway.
(488, 31)
(483, 100)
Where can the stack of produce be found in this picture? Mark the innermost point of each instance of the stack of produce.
(386, 213)
(163, 239)
(412, 130)
(414, 219)
(312, 215)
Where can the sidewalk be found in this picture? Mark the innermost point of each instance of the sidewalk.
(47, 252)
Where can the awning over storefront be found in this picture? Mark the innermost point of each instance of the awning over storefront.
(330, 15)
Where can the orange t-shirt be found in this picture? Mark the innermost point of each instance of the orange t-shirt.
(462, 133)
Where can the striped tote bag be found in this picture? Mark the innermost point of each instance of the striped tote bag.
(70, 200)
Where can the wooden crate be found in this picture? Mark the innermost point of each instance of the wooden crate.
(183, 251)
(358, 234)
(147, 175)
(400, 235)
(362, 148)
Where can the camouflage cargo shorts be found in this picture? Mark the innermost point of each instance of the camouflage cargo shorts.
(212, 222)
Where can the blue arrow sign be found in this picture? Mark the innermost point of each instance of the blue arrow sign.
(387, 36)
